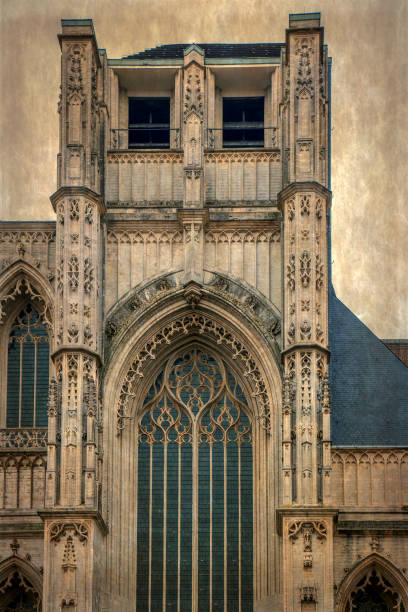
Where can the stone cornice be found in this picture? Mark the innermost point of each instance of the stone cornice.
(27, 226)
(303, 186)
(307, 346)
(77, 348)
(78, 191)
(304, 513)
(74, 514)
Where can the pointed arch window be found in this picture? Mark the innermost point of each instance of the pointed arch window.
(195, 489)
(27, 370)
(374, 593)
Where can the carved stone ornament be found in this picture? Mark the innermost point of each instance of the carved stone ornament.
(305, 269)
(69, 557)
(305, 330)
(318, 527)
(59, 529)
(23, 287)
(192, 295)
(291, 269)
(110, 329)
(193, 93)
(308, 593)
(304, 80)
(198, 324)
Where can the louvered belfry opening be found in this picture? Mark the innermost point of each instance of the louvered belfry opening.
(195, 488)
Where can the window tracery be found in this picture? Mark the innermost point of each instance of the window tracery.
(27, 370)
(195, 453)
(374, 593)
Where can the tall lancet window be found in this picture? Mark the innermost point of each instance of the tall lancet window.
(27, 370)
(195, 489)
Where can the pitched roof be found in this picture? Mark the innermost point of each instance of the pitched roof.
(212, 50)
(369, 384)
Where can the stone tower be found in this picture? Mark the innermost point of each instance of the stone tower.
(220, 431)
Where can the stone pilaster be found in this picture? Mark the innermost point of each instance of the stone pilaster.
(192, 224)
(305, 101)
(306, 410)
(79, 106)
(72, 549)
(193, 127)
(78, 346)
(307, 560)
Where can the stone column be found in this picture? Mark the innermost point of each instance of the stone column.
(73, 474)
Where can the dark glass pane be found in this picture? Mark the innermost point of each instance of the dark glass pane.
(150, 118)
(28, 366)
(243, 122)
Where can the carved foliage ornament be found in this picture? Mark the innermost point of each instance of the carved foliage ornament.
(193, 95)
(318, 527)
(23, 287)
(76, 58)
(59, 529)
(194, 323)
(304, 80)
(305, 269)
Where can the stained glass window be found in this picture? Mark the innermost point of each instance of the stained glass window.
(27, 371)
(195, 499)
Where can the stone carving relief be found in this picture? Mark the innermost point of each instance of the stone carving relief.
(319, 272)
(199, 324)
(74, 210)
(305, 269)
(193, 92)
(23, 287)
(59, 529)
(242, 157)
(305, 205)
(73, 272)
(307, 529)
(291, 271)
(88, 275)
(304, 79)
(76, 57)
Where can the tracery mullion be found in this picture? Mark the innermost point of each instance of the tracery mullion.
(20, 391)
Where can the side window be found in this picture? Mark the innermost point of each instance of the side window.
(149, 123)
(243, 122)
(27, 370)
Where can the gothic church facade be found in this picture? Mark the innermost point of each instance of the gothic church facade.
(190, 419)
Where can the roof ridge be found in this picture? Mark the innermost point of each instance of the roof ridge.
(222, 48)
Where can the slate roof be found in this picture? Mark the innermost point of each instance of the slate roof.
(211, 50)
(369, 384)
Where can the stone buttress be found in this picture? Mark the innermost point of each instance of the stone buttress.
(73, 526)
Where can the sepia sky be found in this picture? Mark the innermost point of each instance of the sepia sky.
(369, 46)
